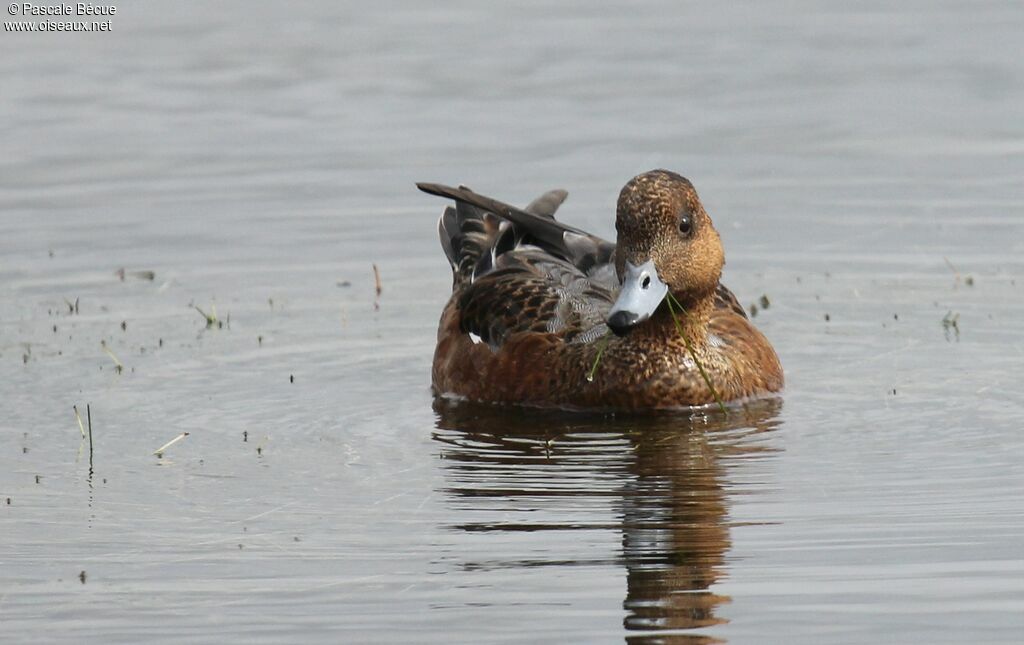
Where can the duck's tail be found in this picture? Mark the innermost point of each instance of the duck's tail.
(473, 236)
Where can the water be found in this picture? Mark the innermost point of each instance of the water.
(862, 164)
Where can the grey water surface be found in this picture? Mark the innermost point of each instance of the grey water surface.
(862, 161)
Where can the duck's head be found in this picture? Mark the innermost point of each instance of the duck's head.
(666, 242)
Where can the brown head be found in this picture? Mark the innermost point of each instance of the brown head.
(666, 242)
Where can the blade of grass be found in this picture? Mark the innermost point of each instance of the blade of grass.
(600, 351)
(672, 304)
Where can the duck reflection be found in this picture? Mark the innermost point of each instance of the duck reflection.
(661, 481)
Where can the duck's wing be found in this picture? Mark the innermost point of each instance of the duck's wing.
(725, 299)
(534, 225)
(530, 290)
(522, 270)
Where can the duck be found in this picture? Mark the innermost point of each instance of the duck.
(543, 314)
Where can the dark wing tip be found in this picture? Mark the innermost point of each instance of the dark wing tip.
(440, 189)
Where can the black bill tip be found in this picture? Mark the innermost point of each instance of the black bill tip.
(621, 322)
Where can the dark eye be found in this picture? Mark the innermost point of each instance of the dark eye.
(685, 225)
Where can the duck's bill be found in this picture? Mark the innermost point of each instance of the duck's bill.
(642, 293)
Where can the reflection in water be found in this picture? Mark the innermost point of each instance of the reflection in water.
(661, 481)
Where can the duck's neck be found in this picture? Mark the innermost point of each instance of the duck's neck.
(692, 320)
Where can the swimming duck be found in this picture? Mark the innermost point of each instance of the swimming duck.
(545, 314)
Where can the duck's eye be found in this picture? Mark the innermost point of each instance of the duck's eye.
(685, 225)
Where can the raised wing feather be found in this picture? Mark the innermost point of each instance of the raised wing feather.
(579, 248)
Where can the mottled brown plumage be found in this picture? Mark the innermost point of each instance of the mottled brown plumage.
(531, 296)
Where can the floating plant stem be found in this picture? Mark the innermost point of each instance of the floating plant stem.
(956, 274)
(211, 318)
(951, 321)
(118, 365)
(672, 304)
(600, 352)
(159, 452)
(378, 287)
(81, 426)
(88, 416)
